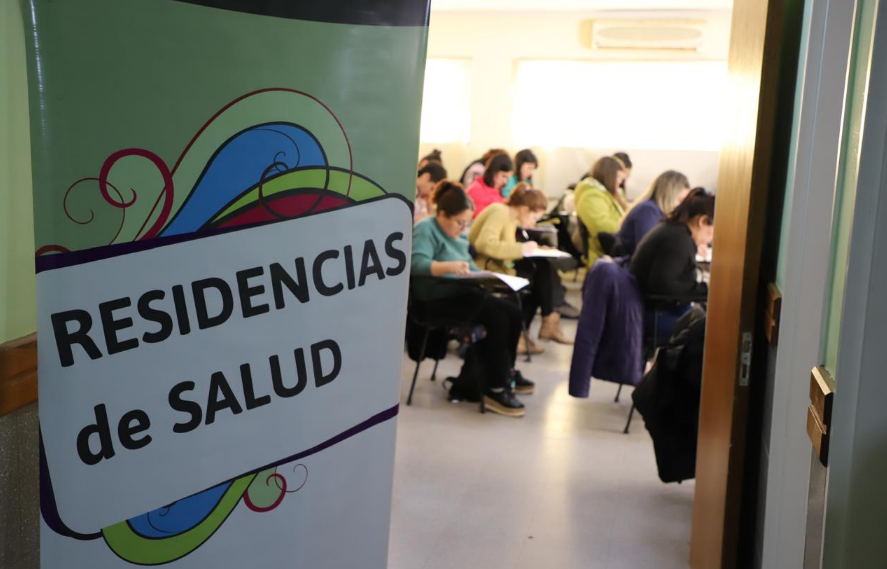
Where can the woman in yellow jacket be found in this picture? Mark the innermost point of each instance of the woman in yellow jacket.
(596, 203)
(494, 237)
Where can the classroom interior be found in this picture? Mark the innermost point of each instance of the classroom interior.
(777, 109)
(568, 485)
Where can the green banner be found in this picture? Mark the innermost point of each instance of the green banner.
(222, 196)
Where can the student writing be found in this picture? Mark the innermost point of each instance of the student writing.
(440, 250)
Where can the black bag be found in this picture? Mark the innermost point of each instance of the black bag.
(668, 399)
(561, 223)
(435, 349)
(467, 385)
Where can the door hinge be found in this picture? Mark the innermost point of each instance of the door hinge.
(745, 359)
(773, 314)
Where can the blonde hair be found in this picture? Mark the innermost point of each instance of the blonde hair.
(665, 191)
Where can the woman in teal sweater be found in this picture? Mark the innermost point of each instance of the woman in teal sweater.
(525, 163)
(440, 250)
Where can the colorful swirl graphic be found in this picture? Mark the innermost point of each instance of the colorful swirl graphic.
(246, 166)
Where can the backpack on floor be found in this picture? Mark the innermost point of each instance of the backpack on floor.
(435, 349)
(467, 385)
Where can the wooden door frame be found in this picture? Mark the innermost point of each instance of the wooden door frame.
(823, 82)
(743, 186)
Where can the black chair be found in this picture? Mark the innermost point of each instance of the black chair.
(560, 221)
(416, 316)
(545, 235)
(610, 244)
(657, 304)
(585, 235)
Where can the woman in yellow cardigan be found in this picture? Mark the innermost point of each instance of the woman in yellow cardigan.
(596, 203)
(494, 237)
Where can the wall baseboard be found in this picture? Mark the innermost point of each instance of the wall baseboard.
(18, 373)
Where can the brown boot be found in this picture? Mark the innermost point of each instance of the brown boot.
(551, 329)
(522, 346)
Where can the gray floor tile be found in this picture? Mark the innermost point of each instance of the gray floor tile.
(561, 488)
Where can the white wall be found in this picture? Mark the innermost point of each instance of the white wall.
(495, 41)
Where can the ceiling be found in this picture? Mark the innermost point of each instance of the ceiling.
(579, 5)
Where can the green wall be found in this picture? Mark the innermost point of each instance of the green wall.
(17, 288)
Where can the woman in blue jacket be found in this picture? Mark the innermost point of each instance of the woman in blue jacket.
(664, 195)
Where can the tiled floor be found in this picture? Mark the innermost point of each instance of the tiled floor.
(561, 488)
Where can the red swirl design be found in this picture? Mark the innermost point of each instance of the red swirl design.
(166, 193)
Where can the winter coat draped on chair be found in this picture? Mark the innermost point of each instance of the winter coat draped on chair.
(609, 338)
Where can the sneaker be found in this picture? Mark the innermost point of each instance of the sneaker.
(521, 385)
(504, 403)
(567, 310)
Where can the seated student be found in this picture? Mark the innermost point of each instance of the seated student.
(665, 261)
(429, 176)
(525, 163)
(433, 156)
(487, 189)
(476, 168)
(440, 250)
(493, 235)
(596, 203)
(666, 192)
(622, 193)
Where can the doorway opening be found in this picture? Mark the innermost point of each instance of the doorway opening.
(574, 82)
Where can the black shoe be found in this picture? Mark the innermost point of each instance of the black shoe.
(504, 403)
(457, 392)
(521, 385)
(567, 310)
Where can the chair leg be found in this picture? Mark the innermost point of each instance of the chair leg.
(628, 423)
(618, 393)
(655, 329)
(481, 388)
(418, 363)
(434, 373)
(524, 329)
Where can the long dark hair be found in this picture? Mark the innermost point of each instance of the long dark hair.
(450, 198)
(524, 157)
(433, 156)
(626, 164)
(623, 158)
(498, 163)
(698, 202)
(604, 171)
(435, 170)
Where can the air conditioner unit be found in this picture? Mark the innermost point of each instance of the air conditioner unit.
(646, 35)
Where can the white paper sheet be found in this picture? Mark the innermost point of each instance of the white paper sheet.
(514, 283)
(548, 253)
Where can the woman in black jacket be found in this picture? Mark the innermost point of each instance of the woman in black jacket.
(665, 260)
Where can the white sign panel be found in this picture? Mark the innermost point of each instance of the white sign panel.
(207, 361)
